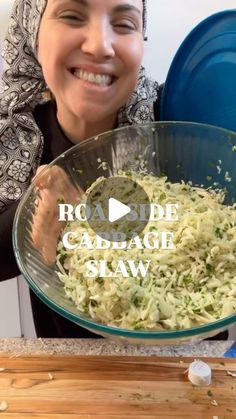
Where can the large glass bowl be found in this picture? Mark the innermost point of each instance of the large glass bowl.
(182, 151)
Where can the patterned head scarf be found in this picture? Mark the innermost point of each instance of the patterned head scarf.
(23, 87)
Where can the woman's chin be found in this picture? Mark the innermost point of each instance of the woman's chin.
(93, 115)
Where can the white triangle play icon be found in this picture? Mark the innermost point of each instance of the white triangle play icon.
(116, 210)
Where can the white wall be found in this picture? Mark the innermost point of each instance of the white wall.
(5, 10)
(10, 324)
(169, 21)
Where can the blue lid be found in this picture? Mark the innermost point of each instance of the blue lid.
(201, 82)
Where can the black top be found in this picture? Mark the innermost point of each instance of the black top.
(47, 322)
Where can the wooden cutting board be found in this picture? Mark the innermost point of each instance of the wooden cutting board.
(109, 387)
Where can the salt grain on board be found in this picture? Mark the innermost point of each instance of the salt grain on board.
(3, 405)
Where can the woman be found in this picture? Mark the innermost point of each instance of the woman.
(88, 55)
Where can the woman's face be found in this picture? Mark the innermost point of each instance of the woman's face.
(91, 52)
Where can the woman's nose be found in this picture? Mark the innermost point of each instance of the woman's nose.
(98, 41)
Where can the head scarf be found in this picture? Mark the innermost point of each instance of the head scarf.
(23, 87)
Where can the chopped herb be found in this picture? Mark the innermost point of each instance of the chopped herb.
(209, 269)
(109, 265)
(97, 194)
(137, 301)
(210, 394)
(162, 196)
(225, 227)
(218, 233)
(79, 171)
(62, 258)
(100, 280)
(187, 279)
(152, 228)
(137, 326)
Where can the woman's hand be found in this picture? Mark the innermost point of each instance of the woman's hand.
(54, 187)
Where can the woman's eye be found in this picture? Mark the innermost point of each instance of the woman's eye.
(125, 25)
(73, 18)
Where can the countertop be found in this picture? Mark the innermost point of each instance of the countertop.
(24, 346)
(78, 378)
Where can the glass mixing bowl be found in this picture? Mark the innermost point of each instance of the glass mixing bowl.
(181, 151)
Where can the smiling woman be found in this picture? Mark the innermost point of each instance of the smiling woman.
(64, 46)
(97, 53)
(73, 70)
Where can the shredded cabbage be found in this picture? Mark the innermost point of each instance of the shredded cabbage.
(191, 285)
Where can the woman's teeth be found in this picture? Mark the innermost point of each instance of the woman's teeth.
(99, 79)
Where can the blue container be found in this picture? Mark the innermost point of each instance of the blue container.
(201, 82)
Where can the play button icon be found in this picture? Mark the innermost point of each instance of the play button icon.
(119, 208)
(116, 210)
